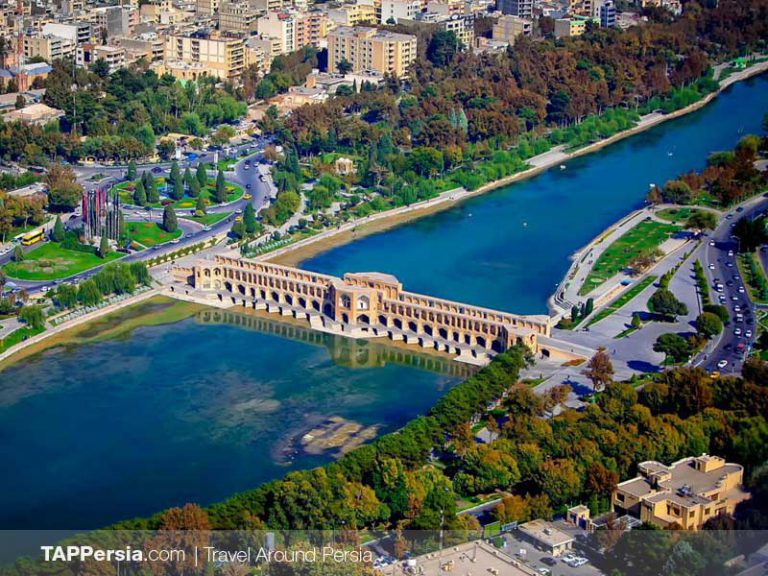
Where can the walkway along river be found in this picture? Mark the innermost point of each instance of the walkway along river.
(199, 409)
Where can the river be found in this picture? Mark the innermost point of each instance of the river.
(212, 404)
(508, 249)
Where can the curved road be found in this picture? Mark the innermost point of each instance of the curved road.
(244, 173)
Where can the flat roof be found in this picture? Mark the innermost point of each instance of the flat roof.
(544, 532)
(470, 558)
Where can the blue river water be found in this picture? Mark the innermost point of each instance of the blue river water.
(199, 409)
(508, 249)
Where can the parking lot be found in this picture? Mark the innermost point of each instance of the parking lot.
(532, 557)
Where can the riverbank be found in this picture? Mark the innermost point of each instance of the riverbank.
(294, 254)
(109, 322)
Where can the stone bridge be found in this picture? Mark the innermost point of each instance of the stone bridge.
(363, 305)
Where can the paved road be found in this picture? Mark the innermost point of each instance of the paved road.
(243, 173)
(718, 257)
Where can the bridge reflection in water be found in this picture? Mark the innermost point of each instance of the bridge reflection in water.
(344, 351)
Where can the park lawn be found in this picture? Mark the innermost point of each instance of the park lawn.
(125, 191)
(675, 215)
(647, 235)
(209, 219)
(149, 233)
(227, 163)
(51, 262)
(17, 336)
(622, 300)
(234, 192)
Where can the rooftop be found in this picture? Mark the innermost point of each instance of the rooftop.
(545, 532)
(471, 558)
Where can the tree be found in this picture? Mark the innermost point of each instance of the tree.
(88, 293)
(238, 230)
(200, 206)
(674, 346)
(442, 48)
(708, 324)
(170, 223)
(249, 219)
(599, 369)
(701, 220)
(104, 246)
(166, 148)
(18, 254)
(130, 174)
(33, 316)
(664, 303)
(201, 175)
(139, 194)
(221, 188)
(64, 193)
(636, 321)
(57, 235)
(21, 102)
(66, 296)
(751, 233)
(344, 66)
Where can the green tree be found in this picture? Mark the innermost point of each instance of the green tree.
(201, 175)
(708, 325)
(139, 194)
(664, 303)
(249, 219)
(442, 48)
(175, 174)
(238, 230)
(170, 222)
(57, 235)
(66, 296)
(33, 316)
(751, 233)
(221, 188)
(674, 346)
(104, 246)
(200, 206)
(88, 293)
(18, 254)
(130, 174)
(636, 321)
(701, 220)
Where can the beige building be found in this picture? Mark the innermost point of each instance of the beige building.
(207, 7)
(237, 16)
(573, 26)
(149, 47)
(371, 49)
(89, 53)
(546, 537)
(280, 26)
(355, 14)
(686, 493)
(48, 47)
(311, 29)
(222, 57)
(38, 114)
(508, 28)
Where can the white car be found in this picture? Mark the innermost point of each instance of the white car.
(737, 308)
(711, 242)
(730, 252)
(722, 364)
(711, 266)
(737, 332)
(741, 289)
(748, 334)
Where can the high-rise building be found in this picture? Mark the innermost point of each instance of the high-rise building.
(371, 49)
(607, 13)
(48, 47)
(508, 28)
(521, 8)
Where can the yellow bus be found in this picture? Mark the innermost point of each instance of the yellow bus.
(33, 237)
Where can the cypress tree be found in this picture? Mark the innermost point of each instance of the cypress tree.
(221, 188)
(170, 223)
(58, 230)
(139, 194)
(202, 175)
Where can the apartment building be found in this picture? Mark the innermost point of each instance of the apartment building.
(77, 32)
(687, 493)
(356, 14)
(311, 29)
(573, 26)
(371, 49)
(509, 28)
(206, 7)
(282, 27)
(147, 46)
(392, 11)
(89, 53)
(520, 8)
(220, 56)
(463, 27)
(48, 47)
(237, 17)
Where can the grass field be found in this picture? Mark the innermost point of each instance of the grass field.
(647, 235)
(675, 215)
(149, 233)
(622, 300)
(234, 192)
(18, 335)
(51, 262)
